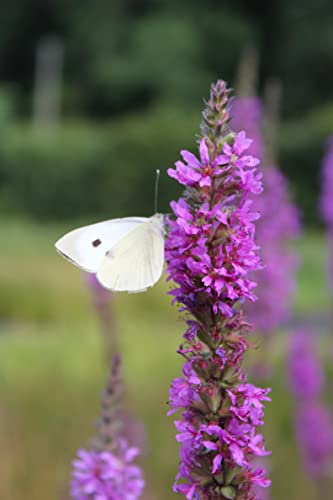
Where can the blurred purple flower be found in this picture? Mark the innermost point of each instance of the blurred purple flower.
(106, 471)
(101, 295)
(314, 432)
(246, 114)
(305, 372)
(314, 429)
(276, 282)
(101, 475)
(210, 250)
(326, 203)
(326, 200)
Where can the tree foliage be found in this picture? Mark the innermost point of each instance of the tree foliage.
(131, 58)
(124, 54)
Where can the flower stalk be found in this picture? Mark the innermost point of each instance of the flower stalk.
(210, 250)
(106, 470)
(103, 301)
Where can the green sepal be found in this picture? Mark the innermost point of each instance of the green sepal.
(228, 492)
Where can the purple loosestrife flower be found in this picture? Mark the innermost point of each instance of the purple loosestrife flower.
(315, 437)
(306, 376)
(276, 282)
(261, 493)
(210, 250)
(313, 423)
(326, 201)
(106, 476)
(246, 114)
(106, 471)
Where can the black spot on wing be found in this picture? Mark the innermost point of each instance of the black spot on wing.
(96, 243)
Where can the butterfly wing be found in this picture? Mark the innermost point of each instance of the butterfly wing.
(87, 246)
(135, 263)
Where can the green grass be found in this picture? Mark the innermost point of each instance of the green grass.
(312, 295)
(52, 369)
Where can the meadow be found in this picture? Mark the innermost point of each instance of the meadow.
(52, 368)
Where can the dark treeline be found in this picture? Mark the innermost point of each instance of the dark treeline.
(134, 56)
(124, 54)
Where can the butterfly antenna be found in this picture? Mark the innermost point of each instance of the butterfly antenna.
(156, 189)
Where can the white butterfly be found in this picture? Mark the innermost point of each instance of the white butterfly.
(125, 254)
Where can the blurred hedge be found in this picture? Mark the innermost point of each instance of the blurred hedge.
(99, 171)
(303, 144)
(92, 170)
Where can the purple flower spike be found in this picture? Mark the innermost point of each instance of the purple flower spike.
(210, 252)
(313, 422)
(246, 114)
(315, 437)
(276, 281)
(326, 203)
(106, 471)
(105, 476)
(306, 376)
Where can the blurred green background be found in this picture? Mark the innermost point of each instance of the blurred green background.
(94, 96)
(129, 76)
